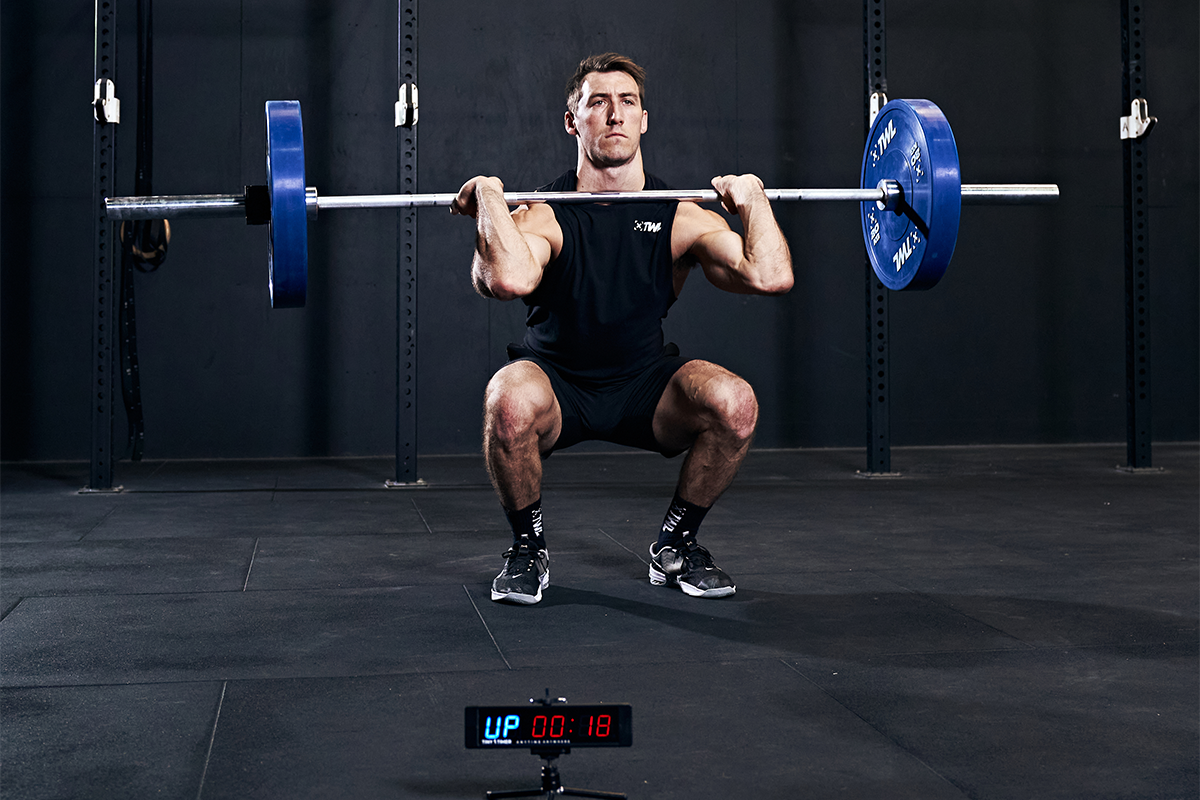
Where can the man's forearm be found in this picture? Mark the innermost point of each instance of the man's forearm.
(767, 256)
(503, 266)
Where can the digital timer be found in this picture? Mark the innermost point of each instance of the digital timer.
(549, 726)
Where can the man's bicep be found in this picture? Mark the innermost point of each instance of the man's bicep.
(720, 254)
(540, 229)
(706, 236)
(539, 247)
(721, 248)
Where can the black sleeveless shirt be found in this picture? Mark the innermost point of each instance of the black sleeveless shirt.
(597, 313)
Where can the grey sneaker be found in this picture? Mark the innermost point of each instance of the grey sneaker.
(691, 567)
(524, 576)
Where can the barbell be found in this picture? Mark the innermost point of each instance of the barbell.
(910, 195)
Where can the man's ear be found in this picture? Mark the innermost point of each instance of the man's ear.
(645, 120)
(569, 123)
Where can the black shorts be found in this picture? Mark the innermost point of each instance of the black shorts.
(621, 412)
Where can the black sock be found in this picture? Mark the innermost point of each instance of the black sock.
(528, 522)
(682, 521)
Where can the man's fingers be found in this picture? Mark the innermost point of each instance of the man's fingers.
(722, 184)
(466, 204)
(735, 190)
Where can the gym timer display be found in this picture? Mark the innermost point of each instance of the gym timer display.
(607, 725)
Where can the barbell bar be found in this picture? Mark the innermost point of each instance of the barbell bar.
(234, 205)
(909, 194)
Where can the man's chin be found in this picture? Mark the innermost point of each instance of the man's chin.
(610, 160)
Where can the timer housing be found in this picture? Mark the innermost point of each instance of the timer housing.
(560, 726)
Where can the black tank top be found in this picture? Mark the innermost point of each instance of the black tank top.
(598, 312)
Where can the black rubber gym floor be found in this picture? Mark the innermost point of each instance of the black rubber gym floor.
(999, 622)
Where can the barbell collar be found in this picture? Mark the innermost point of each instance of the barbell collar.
(893, 195)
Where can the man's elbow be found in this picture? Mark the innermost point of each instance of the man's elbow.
(504, 288)
(500, 281)
(776, 281)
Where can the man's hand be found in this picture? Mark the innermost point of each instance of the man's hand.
(738, 191)
(466, 203)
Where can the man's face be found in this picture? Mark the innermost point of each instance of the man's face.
(609, 119)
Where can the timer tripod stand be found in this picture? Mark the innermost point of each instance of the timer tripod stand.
(551, 782)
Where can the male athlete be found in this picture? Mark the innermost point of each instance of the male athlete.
(597, 280)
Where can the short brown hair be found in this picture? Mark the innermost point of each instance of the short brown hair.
(605, 62)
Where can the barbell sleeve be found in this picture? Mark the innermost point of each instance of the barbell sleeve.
(1009, 193)
(175, 206)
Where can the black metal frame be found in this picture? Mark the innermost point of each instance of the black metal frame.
(108, 325)
(406, 258)
(105, 262)
(1137, 245)
(879, 445)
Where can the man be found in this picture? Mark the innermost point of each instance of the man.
(598, 280)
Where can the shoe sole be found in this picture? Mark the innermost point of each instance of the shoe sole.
(523, 599)
(659, 578)
(692, 591)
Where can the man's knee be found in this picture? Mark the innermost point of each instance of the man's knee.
(517, 403)
(734, 406)
(706, 398)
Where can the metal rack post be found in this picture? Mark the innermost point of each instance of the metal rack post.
(107, 114)
(406, 254)
(879, 446)
(1134, 130)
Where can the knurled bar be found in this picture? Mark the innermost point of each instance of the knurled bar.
(234, 205)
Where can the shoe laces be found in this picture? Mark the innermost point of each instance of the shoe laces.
(696, 556)
(520, 555)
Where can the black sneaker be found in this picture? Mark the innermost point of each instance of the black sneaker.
(691, 567)
(524, 576)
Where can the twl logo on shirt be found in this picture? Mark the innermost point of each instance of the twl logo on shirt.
(647, 227)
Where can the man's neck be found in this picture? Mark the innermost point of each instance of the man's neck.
(628, 177)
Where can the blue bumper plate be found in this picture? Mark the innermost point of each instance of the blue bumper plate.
(911, 143)
(287, 250)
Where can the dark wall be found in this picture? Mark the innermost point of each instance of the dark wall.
(1022, 341)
